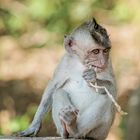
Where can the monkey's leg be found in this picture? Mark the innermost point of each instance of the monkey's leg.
(63, 112)
(91, 118)
(44, 106)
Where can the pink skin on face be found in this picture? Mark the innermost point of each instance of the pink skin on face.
(97, 58)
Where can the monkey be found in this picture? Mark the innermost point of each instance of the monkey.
(78, 110)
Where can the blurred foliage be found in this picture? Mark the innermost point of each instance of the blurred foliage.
(24, 19)
(30, 24)
(58, 16)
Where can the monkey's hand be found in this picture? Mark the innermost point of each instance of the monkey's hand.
(89, 75)
(68, 117)
(31, 131)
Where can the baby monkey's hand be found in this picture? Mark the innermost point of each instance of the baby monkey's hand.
(89, 74)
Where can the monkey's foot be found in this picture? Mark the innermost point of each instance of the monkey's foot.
(64, 132)
(68, 117)
(31, 131)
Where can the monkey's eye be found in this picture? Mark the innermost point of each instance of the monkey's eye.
(106, 50)
(95, 51)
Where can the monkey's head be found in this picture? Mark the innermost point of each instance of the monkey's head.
(90, 42)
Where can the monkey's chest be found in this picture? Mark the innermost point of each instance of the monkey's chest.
(80, 93)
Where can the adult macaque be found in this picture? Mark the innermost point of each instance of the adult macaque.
(78, 110)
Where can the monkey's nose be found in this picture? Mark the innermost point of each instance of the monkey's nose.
(102, 64)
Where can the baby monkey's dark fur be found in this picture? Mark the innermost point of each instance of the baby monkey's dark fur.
(98, 33)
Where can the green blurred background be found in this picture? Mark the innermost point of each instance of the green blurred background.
(31, 45)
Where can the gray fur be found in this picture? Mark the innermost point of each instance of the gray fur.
(78, 110)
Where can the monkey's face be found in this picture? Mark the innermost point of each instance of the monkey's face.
(97, 57)
(91, 43)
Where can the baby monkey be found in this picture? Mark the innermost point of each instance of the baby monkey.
(78, 110)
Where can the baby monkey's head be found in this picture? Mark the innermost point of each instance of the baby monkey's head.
(90, 42)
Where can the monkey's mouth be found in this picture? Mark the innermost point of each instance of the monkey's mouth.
(98, 69)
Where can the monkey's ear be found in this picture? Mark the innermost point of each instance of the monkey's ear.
(68, 43)
(95, 23)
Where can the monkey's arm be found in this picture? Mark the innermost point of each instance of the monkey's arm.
(104, 79)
